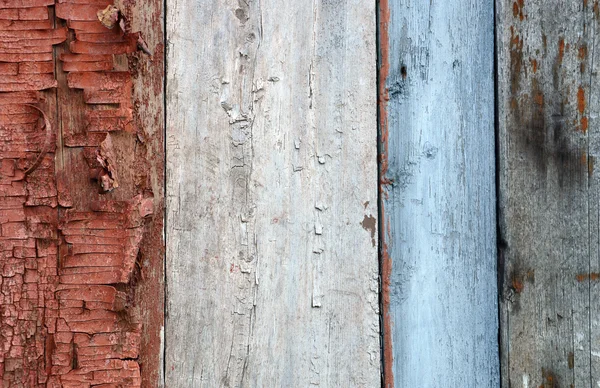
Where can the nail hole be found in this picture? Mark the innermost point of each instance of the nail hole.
(403, 71)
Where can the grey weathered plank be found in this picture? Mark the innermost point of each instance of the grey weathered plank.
(272, 273)
(439, 193)
(548, 143)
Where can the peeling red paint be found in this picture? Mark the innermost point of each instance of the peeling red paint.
(63, 300)
(28, 216)
(385, 260)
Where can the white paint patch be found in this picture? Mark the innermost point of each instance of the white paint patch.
(579, 340)
(596, 354)
(525, 381)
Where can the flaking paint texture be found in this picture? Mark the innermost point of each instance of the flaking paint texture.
(67, 266)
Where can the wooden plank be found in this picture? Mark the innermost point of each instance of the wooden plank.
(272, 272)
(148, 98)
(103, 252)
(548, 192)
(438, 193)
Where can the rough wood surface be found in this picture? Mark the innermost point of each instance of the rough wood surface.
(437, 175)
(549, 192)
(72, 225)
(272, 273)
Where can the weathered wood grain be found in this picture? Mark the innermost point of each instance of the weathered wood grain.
(272, 273)
(148, 96)
(548, 143)
(437, 176)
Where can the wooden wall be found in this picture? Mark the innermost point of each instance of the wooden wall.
(272, 268)
(335, 193)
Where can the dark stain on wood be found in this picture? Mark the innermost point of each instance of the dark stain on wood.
(571, 360)
(369, 223)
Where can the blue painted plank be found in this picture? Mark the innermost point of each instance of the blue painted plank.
(438, 184)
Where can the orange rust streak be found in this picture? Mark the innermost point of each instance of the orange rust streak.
(582, 53)
(584, 124)
(518, 285)
(585, 276)
(581, 100)
(534, 65)
(561, 49)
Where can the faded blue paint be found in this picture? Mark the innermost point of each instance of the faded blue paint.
(440, 206)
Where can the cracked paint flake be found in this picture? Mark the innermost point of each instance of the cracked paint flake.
(64, 317)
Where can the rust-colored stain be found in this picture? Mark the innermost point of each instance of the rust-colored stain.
(549, 378)
(588, 276)
(596, 10)
(518, 10)
(516, 61)
(515, 9)
(581, 100)
(385, 259)
(534, 65)
(582, 52)
(584, 124)
(561, 49)
(518, 279)
(517, 285)
(515, 42)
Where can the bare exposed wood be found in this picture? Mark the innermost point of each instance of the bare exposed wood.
(272, 202)
(548, 192)
(437, 174)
